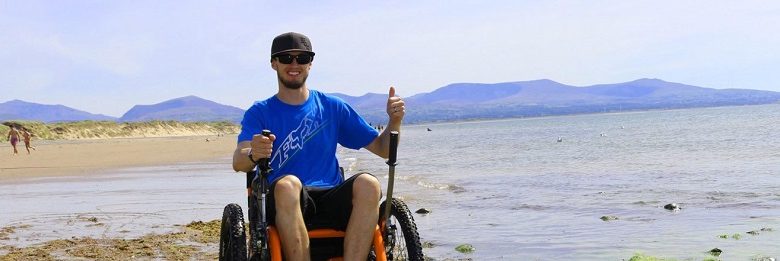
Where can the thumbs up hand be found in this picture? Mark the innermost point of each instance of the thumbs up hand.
(395, 107)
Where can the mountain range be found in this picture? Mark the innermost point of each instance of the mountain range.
(457, 101)
(462, 101)
(188, 109)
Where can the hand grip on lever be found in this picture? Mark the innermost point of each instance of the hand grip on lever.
(263, 163)
(393, 148)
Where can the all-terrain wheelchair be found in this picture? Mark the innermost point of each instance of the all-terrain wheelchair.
(395, 236)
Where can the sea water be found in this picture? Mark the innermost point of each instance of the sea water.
(509, 188)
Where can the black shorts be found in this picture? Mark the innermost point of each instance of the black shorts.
(321, 207)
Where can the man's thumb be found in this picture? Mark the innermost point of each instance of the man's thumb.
(392, 92)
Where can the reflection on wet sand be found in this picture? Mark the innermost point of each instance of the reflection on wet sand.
(124, 204)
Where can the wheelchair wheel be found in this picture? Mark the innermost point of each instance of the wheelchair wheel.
(232, 236)
(402, 242)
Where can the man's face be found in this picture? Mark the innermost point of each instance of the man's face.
(294, 74)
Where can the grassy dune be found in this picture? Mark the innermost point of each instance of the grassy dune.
(109, 129)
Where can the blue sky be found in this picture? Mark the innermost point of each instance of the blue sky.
(106, 56)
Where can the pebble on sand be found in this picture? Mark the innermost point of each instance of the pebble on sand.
(609, 218)
(422, 211)
(672, 206)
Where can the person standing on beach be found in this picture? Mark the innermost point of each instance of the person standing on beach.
(27, 136)
(13, 137)
(306, 176)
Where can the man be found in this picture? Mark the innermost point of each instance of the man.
(13, 137)
(306, 183)
(27, 136)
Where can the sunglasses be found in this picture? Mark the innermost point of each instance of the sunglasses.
(300, 59)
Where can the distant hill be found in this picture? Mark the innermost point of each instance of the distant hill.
(22, 110)
(466, 94)
(369, 100)
(189, 108)
(546, 97)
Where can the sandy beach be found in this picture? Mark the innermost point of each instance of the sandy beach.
(88, 157)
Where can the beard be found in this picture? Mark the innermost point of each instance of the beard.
(292, 84)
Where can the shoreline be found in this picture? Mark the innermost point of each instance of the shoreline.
(94, 156)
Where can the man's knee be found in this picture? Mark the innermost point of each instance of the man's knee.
(366, 187)
(287, 192)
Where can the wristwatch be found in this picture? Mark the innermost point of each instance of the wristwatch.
(249, 154)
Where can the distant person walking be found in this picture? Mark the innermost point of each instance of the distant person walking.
(13, 137)
(27, 140)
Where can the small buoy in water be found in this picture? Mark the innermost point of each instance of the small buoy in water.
(672, 206)
(422, 211)
(560, 139)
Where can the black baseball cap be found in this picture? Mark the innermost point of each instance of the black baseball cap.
(288, 42)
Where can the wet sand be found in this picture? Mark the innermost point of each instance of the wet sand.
(87, 157)
(42, 228)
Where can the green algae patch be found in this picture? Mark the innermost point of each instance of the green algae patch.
(736, 236)
(465, 248)
(643, 257)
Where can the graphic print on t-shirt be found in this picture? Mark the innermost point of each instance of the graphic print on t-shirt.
(297, 138)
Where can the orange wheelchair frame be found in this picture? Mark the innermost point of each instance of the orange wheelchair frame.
(275, 245)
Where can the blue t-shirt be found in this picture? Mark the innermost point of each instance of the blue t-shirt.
(306, 136)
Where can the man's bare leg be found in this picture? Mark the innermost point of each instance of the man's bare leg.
(289, 219)
(366, 192)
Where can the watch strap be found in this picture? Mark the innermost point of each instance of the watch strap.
(249, 154)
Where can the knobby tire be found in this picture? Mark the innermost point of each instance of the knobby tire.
(402, 242)
(232, 236)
